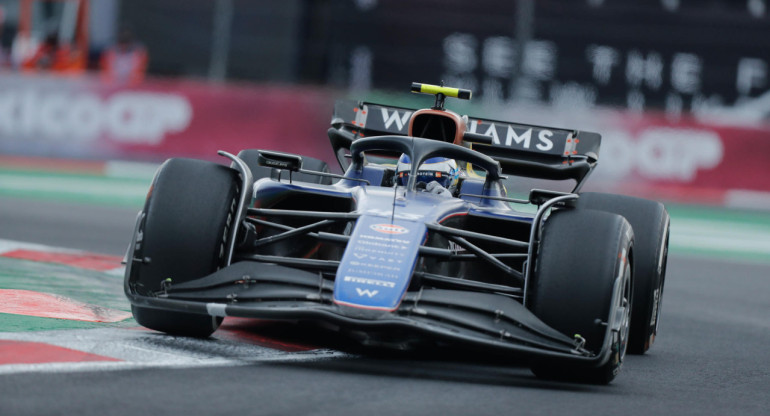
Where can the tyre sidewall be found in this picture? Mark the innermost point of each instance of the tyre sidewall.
(650, 222)
(182, 236)
(187, 220)
(581, 254)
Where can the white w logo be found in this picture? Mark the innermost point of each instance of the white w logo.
(367, 292)
(393, 118)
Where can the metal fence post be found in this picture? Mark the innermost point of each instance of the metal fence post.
(220, 44)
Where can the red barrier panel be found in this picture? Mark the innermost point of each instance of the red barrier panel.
(654, 150)
(241, 117)
(686, 159)
(84, 118)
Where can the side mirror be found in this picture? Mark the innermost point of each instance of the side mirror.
(279, 160)
(541, 196)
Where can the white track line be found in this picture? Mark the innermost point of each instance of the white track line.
(720, 236)
(147, 349)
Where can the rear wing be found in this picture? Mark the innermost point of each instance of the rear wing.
(521, 149)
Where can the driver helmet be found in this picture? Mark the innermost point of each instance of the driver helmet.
(439, 169)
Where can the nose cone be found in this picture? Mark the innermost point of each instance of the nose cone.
(378, 263)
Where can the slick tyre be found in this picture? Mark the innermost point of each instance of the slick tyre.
(250, 157)
(650, 222)
(183, 236)
(582, 284)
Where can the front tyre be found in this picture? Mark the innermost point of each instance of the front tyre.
(184, 234)
(650, 222)
(582, 285)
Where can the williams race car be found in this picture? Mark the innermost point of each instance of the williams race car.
(417, 243)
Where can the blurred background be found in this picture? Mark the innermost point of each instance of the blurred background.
(679, 89)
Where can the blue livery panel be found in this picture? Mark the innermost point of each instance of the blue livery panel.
(378, 263)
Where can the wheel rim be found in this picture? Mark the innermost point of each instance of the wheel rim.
(659, 300)
(623, 314)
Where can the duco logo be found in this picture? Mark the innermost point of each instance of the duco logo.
(389, 228)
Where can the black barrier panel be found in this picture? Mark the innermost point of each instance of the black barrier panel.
(673, 55)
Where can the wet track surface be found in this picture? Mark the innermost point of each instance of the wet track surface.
(711, 358)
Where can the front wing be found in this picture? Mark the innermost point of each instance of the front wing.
(487, 321)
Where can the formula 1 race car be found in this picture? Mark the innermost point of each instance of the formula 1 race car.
(417, 243)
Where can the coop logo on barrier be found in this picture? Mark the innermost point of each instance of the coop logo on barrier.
(660, 153)
(128, 117)
(389, 228)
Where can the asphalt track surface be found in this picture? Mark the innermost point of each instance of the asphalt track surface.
(712, 356)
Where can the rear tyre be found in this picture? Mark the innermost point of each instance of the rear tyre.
(581, 254)
(250, 157)
(650, 222)
(184, 233)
